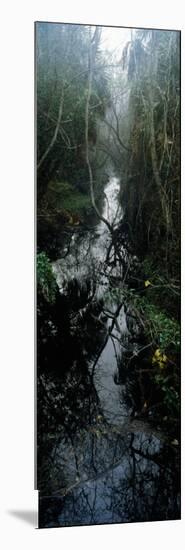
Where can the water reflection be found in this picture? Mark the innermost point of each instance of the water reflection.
(114, 477)
(96, 462)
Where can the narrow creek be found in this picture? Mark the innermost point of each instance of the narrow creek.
(86, 261)
(107, 466)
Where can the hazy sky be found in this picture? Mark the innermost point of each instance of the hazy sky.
(115, 38)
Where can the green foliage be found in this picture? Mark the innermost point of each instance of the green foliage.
(66, 196)
(169, 393)
(163, 330)
(163, 335)
(46, 282)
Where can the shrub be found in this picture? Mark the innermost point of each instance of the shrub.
(46, 283)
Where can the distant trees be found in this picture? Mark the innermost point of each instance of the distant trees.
(62, 81)
(151, 185)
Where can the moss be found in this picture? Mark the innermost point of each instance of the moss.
(64, 195)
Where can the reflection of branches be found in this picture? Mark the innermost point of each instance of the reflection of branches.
(127, 494)
(106, 339)
(115, 351)
(153, 458)
(131, 478)
(81, 483)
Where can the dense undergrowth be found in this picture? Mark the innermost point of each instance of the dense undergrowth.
(150, 195)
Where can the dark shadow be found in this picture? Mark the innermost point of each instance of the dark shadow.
(28, 516)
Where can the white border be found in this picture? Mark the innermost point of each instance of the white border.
(17, 268)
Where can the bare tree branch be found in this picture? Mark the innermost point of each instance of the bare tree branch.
(52, 142)
(116, 132)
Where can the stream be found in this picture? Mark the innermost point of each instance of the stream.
(86, 261)
(99, 463)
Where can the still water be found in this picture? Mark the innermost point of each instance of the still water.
(98, 463)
